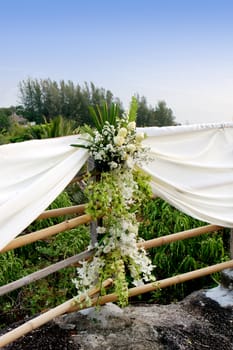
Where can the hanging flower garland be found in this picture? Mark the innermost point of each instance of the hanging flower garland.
(115, 201)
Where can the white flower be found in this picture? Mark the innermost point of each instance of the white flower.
(90, 247)
(140, 136)
(131, 148)
(138, 283)
(101, 229)
(122, 132)
(131, 126)
(129, 163)
(113, 165)
(109, 147)
(119, 140)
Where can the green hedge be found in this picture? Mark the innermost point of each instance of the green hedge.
(161, 219)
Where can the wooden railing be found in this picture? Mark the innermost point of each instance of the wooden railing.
(71, 305)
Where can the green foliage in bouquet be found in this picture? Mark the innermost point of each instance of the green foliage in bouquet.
(114, 201)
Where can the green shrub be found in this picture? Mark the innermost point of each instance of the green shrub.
(161, 219)
(76, 194)
(57, 287)
(11, 267)
(47, 292)
(52, 290)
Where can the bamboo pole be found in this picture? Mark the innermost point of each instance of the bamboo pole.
(75, 209)
(156, 242)
(46, 232)
(167, 282)
(35, 276)
(68, 224)
(69, 305)
(46, 317)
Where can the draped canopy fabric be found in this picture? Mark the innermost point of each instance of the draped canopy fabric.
(32, 174)
(191, 168)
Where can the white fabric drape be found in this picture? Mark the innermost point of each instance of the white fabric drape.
(32, 174)
(192, 168)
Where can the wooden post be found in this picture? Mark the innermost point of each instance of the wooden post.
(93, 224)
(93, 230)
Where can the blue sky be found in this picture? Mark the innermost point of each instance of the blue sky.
(180, 51)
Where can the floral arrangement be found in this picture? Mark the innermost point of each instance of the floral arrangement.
(115, 200)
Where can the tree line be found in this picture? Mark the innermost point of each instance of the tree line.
(42, 100)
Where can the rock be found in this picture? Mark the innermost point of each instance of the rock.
(199, 322)
(223, 296)
(227, 279)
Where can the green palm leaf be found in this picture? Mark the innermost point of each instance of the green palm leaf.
(102, 114)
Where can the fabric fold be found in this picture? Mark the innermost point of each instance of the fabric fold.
(34, 174)
(192, 169)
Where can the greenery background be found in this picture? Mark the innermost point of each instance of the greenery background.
(42, 101)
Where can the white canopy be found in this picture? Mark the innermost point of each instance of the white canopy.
(192, 169)
(32, 174)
